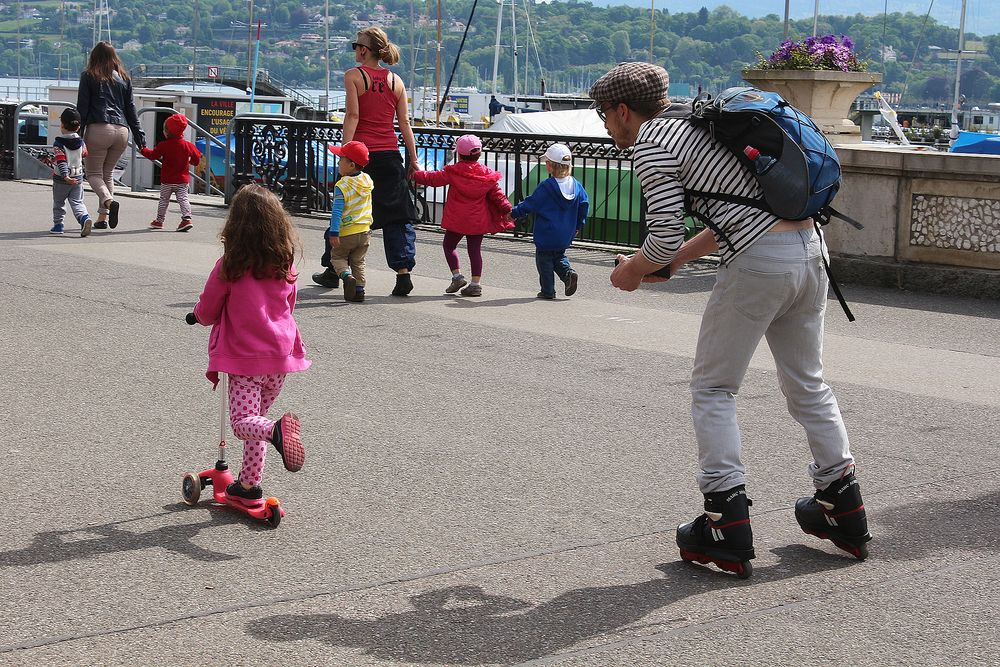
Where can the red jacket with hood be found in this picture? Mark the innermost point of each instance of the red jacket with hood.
(476, 204)
(175, 152)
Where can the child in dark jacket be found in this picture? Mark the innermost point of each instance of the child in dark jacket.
(67, 175)
(560, 205)
(475, 206)
(175, 154)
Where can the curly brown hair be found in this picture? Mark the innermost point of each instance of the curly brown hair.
(258, 237)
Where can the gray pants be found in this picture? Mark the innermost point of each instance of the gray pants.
(776, 289)
(62, 191)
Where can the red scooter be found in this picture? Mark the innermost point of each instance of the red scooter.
(219, 477)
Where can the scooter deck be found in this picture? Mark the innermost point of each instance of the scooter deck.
(259, 509)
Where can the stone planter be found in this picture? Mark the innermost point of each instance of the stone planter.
(825, 96)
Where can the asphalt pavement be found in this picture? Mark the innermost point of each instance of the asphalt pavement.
(490, 480)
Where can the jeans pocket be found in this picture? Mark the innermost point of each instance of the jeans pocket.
(822, 285)
(758, 295)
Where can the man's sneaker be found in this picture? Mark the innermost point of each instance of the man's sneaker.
(350, 287)
(101, 224)
(837, 513)
(185, 225)
(57, 229)
(457, 283)
(543, 295)
(404, 284)
(85, 228)
(156, 224)
(472, 290)
(328, 279)
(113, 214)
(287, 439)
(571, 280)
(249, 496)
(722, 534)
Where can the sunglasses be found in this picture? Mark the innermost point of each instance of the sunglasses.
(602, 111)
(355, 46)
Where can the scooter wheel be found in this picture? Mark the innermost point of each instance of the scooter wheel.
(191, 488)
(275, 518)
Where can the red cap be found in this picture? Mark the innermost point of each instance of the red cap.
(355, 151)
(751, 152)
(176, 125)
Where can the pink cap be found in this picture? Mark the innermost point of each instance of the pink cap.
(468, 144)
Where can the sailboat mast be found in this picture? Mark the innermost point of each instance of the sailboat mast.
(513, 30)
(437, 69)
(953, 133)
(496, 50)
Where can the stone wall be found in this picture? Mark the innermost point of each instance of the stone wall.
(922, 211)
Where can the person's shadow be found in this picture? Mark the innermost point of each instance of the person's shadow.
(465, 625)
(57, 546)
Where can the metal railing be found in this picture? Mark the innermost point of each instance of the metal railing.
(17, 139)
(292, 158)
(185, 72)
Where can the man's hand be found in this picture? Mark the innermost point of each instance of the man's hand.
(334, 241)
(625, 277)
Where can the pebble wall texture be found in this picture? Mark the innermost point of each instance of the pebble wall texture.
(958, 223)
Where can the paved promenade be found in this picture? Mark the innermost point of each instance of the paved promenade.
(488, 481)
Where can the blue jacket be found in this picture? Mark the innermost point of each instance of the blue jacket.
(556, 218)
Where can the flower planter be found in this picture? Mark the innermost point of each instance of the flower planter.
(825, 96)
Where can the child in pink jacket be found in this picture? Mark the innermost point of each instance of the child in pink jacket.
(248, 302)
(475, 206)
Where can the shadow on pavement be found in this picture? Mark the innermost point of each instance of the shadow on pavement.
(57, 546)
(465, 625)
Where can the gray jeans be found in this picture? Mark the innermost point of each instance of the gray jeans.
(63, 191)
(776, 289)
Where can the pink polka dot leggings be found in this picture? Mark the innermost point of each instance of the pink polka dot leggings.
(250, 397)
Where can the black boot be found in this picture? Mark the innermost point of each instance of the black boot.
(328, 278)
(404, 285)
(721, 535)
(837, 513)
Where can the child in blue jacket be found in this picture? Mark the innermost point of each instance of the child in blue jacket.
(560, 205)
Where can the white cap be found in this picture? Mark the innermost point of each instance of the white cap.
(559, 153)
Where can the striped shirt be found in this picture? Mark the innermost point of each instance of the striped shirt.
(672, 155)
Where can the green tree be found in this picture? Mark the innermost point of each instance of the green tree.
(621, 45)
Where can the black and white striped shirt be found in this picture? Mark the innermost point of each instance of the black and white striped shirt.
(672, 155)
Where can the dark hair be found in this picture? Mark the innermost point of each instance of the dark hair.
(258, 237)
(471, 158)
(104, 62)
(648, 108)
(70, 118)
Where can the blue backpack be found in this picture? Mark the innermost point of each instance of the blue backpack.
(805, 177)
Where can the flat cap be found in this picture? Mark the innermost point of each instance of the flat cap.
(631, 82)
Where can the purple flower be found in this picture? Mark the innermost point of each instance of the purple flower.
(825, 52)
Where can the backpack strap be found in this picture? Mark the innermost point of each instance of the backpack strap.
(829, 275)
(828, 213)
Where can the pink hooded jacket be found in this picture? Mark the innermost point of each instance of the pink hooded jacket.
(476, 204)
(253, 331)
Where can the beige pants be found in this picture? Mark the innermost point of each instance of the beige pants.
(351, 251)
(105, 144)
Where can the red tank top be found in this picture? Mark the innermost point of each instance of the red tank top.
(377, 110)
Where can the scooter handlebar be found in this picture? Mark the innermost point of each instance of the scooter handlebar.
(190, 318)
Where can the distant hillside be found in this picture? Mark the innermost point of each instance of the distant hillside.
(981, 15)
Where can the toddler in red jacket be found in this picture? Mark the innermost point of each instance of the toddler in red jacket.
(175, 154)
(475, 206)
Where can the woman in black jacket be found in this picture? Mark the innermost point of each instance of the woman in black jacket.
(107, 111)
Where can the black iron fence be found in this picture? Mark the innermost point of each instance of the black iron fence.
(8, 138)
(292, 158)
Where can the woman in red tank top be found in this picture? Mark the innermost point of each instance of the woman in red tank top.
(376, 100)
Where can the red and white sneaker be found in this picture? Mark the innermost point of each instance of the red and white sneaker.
(156, 224)
(287, 439)
(185, 225)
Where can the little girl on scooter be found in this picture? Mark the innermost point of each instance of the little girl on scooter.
(248, 302)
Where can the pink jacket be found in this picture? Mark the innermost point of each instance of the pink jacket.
(253, 331)
(475, 204)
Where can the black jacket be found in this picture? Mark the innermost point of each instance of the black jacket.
(108, 102)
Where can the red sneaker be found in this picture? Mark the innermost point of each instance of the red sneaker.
(185, 225)
(156, 224)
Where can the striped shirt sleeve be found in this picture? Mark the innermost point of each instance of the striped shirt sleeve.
(658, 170)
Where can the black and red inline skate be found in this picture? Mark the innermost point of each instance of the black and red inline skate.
(837, 513)
(721, 535)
